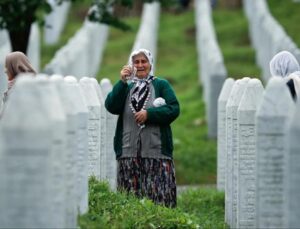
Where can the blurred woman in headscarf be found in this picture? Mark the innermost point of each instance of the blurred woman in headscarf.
(16, 63)
(284, 64)
(143, 143)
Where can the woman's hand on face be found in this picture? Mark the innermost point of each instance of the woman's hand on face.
(125, 73)
(141, 116)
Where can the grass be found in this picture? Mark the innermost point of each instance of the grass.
(196, 209)
(287, 14)
(232, 34)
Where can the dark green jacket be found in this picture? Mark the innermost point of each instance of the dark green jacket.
(162, 116)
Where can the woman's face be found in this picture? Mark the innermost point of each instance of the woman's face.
(142, 65)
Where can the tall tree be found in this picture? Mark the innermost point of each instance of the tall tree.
(16, 16)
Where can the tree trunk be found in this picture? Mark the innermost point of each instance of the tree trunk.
(19, 39)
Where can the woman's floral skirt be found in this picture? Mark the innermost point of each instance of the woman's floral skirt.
(153, 178)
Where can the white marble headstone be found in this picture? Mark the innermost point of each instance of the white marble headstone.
(271, 119)
(231, 145)
(70, 108)
(221, 167)
(292, 177)
(247, 154)
(25, 159)
(80, 153)
(94, 125)
(58, 150)
(111, 121)
(103, 129)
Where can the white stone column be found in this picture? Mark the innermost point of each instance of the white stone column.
(232, 147)
(221, 159)
(25, 159)
(54, 108)
(111, 120)
(102, 130)
(80, 153)
(247, 154)
(272, 117)
(94, 126)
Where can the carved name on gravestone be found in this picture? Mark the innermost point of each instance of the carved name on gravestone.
(221, 169)
(103, 128)
(247, 154)
(231, 141)
(111, 164)
(271, 120)
(25, 159)
(81, 152)
(94, 126)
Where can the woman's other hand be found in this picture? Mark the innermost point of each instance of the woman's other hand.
(140, 117)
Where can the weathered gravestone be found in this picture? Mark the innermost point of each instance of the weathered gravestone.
(271, 119)
(76, 138)
(247, 154)
(103, 128)
(292, 178)
(213, 72)
(231, 145)
(94, 126)
(221, 170)
(111, 164)
(26, 135)
(80, 153)
(71, 124)
(58, 155)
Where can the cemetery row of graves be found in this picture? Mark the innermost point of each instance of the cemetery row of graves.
(258, 154)
(48, 154)
(257, 128)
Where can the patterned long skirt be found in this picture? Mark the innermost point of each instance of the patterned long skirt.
(148, 177)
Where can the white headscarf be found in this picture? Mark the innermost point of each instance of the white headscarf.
(283, 64)
(147, 53)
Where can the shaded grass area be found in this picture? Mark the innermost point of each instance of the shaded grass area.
(232, 33)
(287, 14)
(119, 210)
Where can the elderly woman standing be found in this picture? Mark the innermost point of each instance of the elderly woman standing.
(16, 63)
(143, 143)
(284, 64)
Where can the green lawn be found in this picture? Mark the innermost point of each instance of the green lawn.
(287, 14)
(196, 209)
